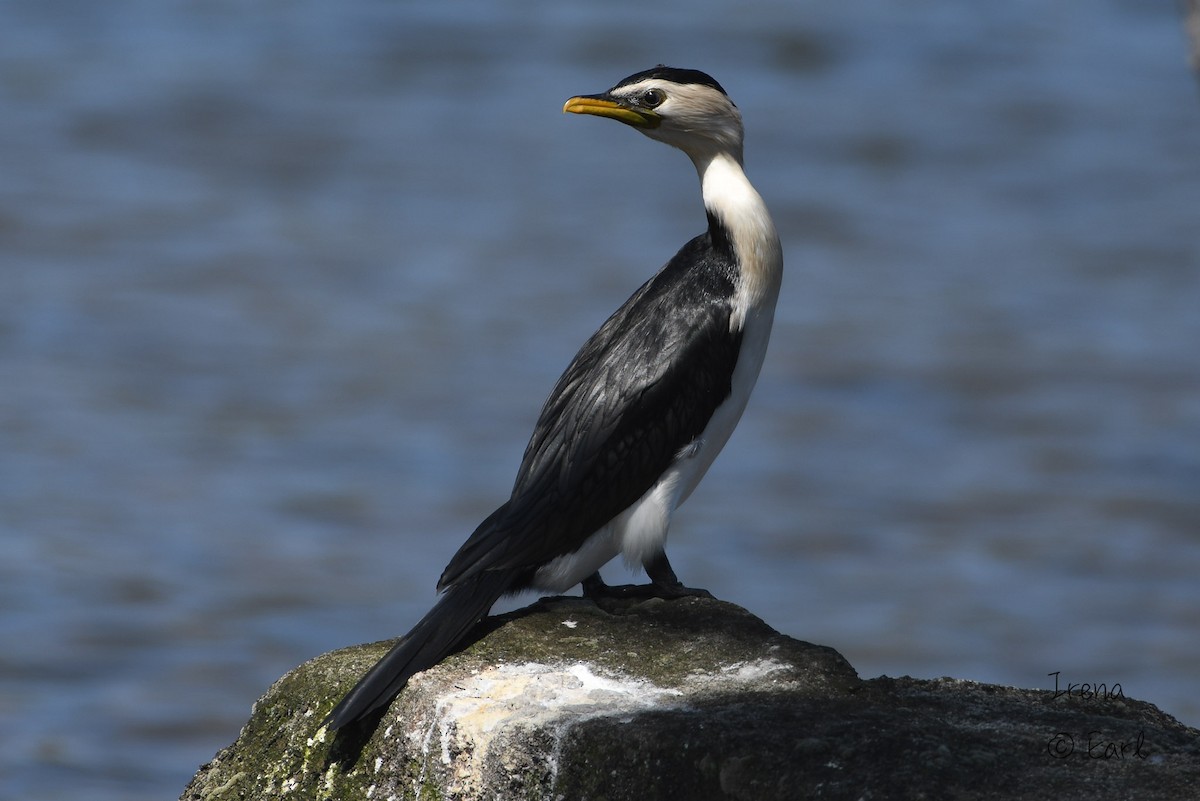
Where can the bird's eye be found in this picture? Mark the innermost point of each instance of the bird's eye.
(652, 98)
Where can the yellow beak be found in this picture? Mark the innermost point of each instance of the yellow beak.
(604, 107)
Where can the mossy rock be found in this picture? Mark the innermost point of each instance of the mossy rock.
(688, 699)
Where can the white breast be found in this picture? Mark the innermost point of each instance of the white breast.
(639, 533)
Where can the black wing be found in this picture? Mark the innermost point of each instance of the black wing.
(641, 389)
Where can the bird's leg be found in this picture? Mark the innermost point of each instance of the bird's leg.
(663, 584)
(594, 587)
(667, 583)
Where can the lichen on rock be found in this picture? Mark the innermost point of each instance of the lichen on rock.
(693, 698)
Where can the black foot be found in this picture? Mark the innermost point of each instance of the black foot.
(598, 589)
(663, 584)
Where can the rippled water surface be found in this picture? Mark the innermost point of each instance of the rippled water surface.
(282, 287)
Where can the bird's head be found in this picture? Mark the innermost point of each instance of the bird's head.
(684, 108)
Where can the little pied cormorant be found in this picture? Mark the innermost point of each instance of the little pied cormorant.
(641, 412)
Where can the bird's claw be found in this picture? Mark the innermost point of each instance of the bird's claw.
(595, 588)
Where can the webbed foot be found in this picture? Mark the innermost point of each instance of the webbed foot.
(663, 584)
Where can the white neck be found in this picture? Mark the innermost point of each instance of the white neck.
(729, 196)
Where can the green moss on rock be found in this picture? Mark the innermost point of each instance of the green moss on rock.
(692, 699)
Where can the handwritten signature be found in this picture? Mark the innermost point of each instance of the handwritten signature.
(1096, 746)
(1086, 691)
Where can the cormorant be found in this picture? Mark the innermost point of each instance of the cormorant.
(641, 412)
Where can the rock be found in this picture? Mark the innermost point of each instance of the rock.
(690, 699)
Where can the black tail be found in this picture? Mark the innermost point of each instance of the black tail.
(441, 630)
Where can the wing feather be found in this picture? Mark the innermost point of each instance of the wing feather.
(639, 391)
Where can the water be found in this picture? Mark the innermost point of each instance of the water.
(284, 285)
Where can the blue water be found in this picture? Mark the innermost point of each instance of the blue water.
(282, 288)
